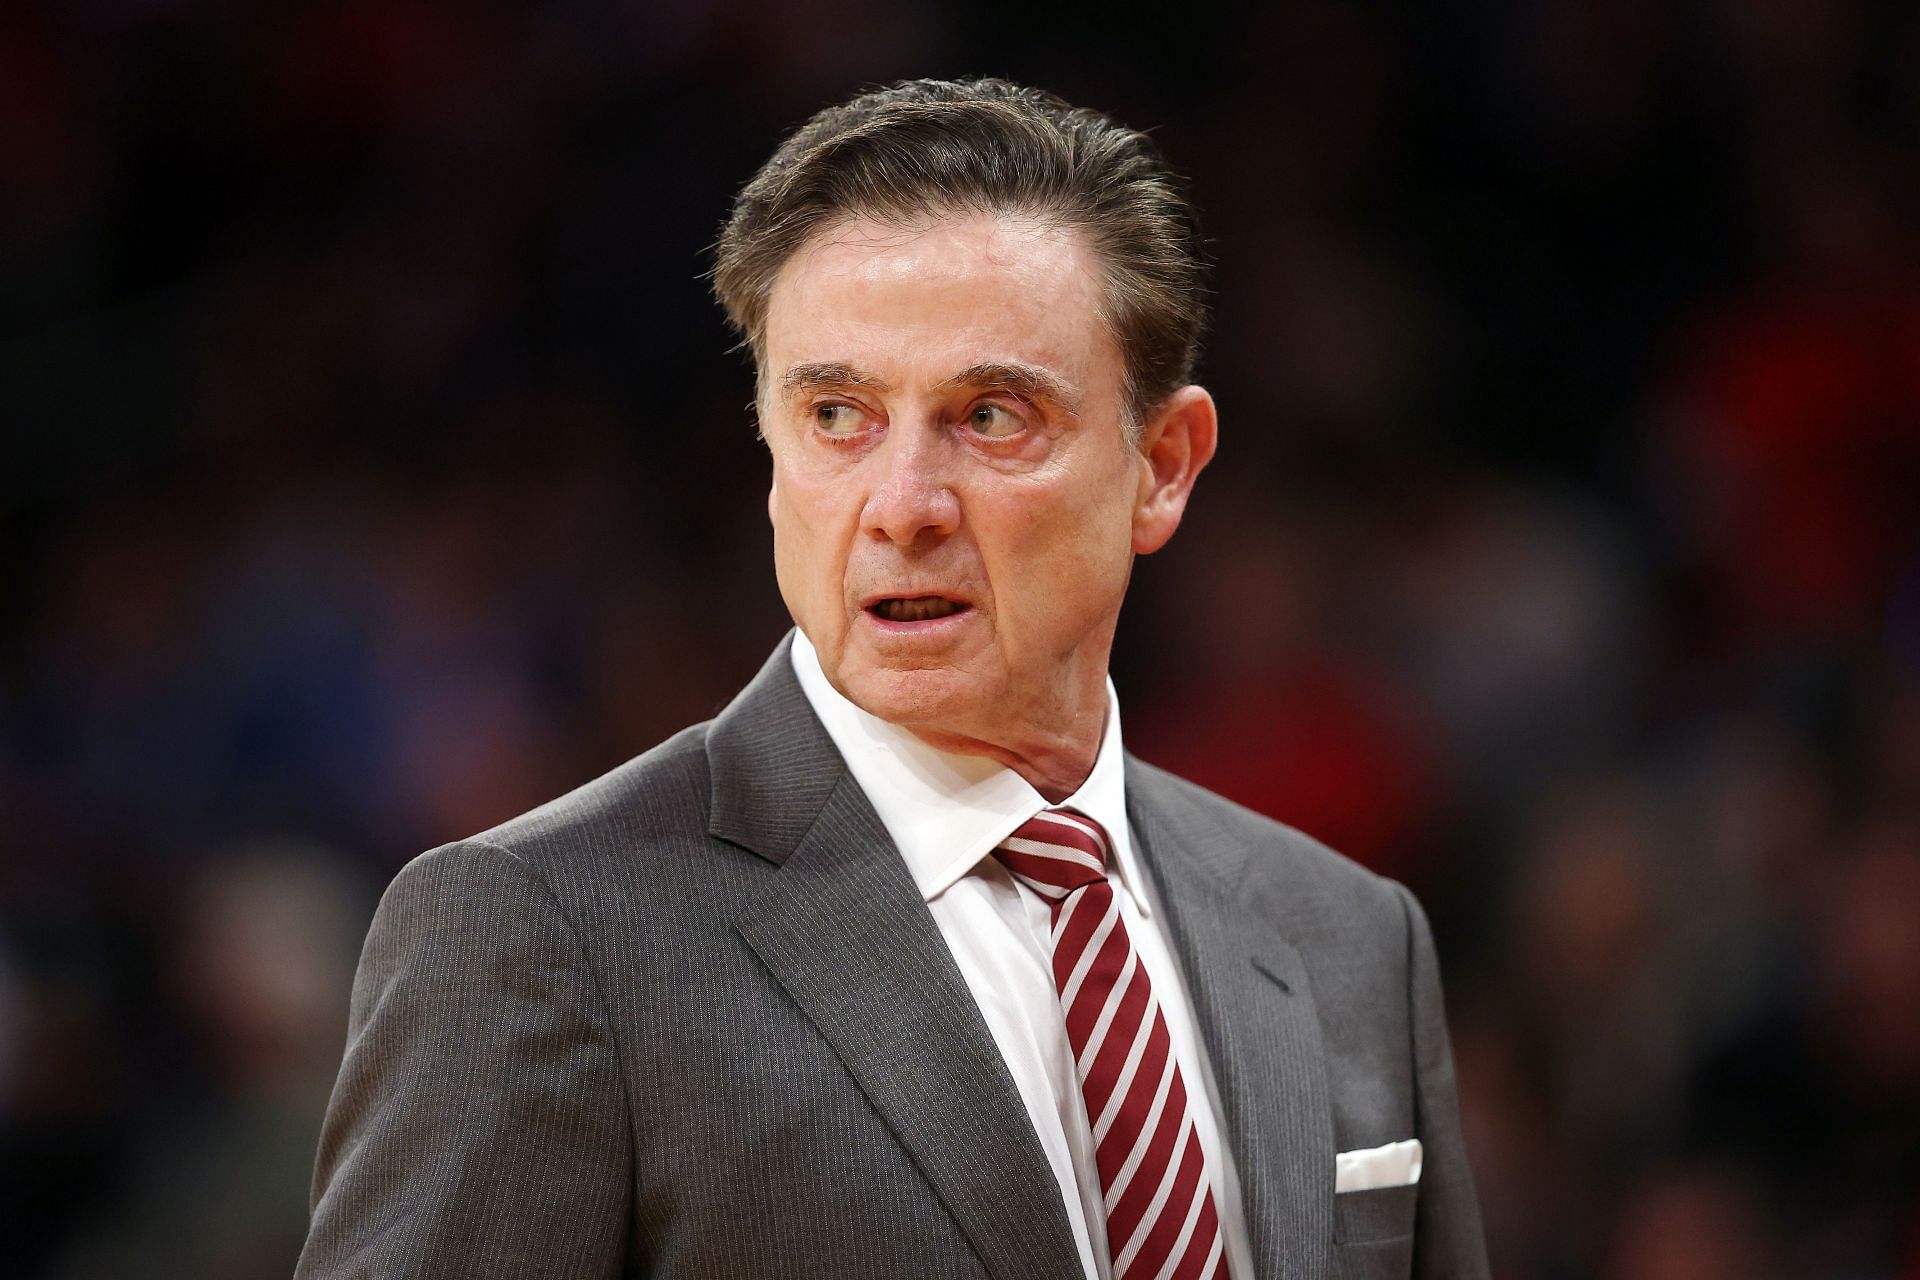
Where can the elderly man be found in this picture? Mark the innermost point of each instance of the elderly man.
(901, 967)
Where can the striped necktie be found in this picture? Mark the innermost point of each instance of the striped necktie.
(1162, 1223)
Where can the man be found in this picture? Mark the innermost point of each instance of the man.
(900, 967)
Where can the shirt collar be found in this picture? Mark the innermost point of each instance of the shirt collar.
(945, 812)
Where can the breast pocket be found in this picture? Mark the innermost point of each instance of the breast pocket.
(1373, 1232)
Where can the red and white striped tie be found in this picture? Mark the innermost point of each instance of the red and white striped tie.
(1162, 1223)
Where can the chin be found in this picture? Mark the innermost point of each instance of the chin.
(914, 697)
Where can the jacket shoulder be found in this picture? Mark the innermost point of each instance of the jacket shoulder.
(661, 794)
(1321, 889)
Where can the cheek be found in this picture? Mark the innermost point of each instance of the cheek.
(809, 551)
(1065, 558)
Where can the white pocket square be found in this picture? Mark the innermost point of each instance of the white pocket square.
(1395, 1165)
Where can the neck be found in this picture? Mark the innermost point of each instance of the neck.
(1054, 761)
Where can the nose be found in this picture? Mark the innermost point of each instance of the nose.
(912, 499)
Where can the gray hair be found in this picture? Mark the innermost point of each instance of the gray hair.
(924, 148)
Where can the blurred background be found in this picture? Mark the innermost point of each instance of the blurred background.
(375, 467)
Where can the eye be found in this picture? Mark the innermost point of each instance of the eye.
(994, 421)
(837, 419)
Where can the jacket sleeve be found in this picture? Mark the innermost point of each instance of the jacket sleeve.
(1448, 1241)
(478, 1126)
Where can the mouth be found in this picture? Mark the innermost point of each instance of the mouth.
(916, 608)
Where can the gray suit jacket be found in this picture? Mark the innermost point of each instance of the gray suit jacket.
(694, 1019)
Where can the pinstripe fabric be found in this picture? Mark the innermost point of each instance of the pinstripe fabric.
(694, 1020)
(847, 934)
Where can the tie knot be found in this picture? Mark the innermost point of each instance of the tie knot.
(1055, 852)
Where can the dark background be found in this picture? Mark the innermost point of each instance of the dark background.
(375, 467)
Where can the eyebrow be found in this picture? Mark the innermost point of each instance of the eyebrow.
(816, 375)
(1026, 380)
(1029, 381)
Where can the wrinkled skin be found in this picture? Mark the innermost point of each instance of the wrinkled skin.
(955, 503)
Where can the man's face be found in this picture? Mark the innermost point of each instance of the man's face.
(954, 498)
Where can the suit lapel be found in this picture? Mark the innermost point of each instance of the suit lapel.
(845, 931)
(1255, 1010)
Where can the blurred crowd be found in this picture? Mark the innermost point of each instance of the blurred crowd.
(376, 467)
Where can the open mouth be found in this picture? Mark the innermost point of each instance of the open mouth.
(915, 608)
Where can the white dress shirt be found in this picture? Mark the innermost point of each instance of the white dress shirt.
(947, 813)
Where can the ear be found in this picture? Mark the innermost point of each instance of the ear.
(1178, 442)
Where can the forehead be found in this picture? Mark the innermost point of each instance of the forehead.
(924, 300)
